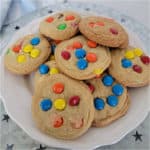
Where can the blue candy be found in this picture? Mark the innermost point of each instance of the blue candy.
(99, 103)
(43, 69)
(126, 63)
(82, 64)
(80, 53)
(35, 41)
(53, 46)
(46, 104)
(107, 80)
(117, 89)
(112, 100)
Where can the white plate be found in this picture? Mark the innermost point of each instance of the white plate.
(16, 93)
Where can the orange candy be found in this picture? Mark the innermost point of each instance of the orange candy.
(69, 18)
(70, 47)
(77, 123)
(77, 45)
(58, 88)
(98, 76)
(99, 24)
(57, 41)
(16, 48)
(49, 19)
(91, 57)
(58, 121)
(91, 24)
(91, 44)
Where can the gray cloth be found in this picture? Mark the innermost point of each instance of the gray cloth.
(10, 10)
(20, 7)
(4, 7)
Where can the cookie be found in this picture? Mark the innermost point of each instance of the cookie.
(60, 26)
(62, 107)
(27, 54)
(111, 100)
(130, 66)
(45, 70)
(104, 31)
(82, 59)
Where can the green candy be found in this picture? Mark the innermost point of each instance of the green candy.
(8, 51)
(62, 26)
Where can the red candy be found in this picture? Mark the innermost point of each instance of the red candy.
(113, 31)
(77, 45)
(69, 18)
(91, 87)
(145, 60)
(16, 48)
(66, 55)
(74, 100)
(50, 19)
(137, 68)
(74, 24)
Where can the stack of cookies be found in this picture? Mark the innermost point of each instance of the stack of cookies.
(83, 68)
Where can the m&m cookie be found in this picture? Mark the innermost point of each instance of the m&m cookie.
(27, 54)
(62, 107)
(60, 26)
(104, 31)
(130, 66)
(110, 100)
(45, 70)
(81, 58)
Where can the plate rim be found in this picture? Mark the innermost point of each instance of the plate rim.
(20, 125)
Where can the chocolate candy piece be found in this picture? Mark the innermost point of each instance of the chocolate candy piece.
(46, 104)
(43, 69)
(107, 80)
(99, 103)
(126, 63)
(117, 89)
(35, 41)
(82, 64)
(112, 100)
(74, 100)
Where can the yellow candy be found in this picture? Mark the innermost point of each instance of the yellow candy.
(28, 48)
(54, 71)
(60, 104)
(35, 53)
(138, 52)
(21, 58)
(52, 57)
(129, 54)
(98, 71)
